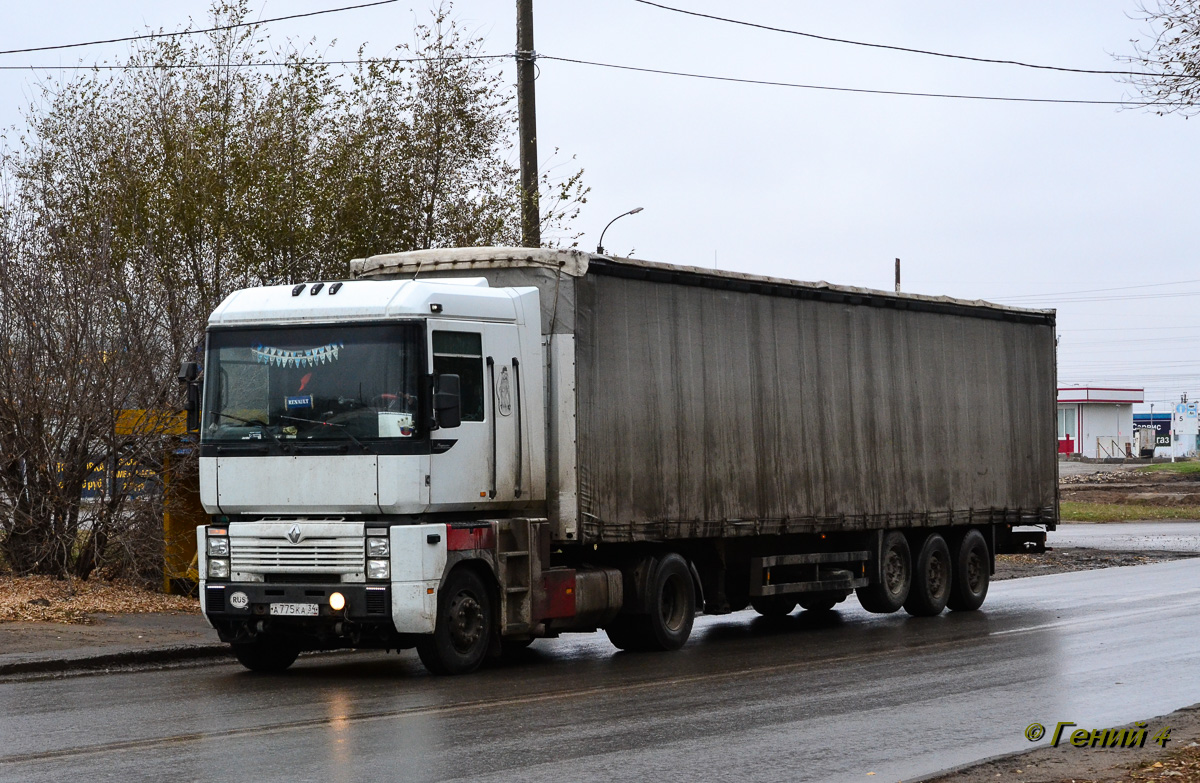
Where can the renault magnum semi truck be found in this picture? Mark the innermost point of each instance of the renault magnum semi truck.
(465, 450)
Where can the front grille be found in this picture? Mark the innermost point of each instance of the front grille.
(311, 556)
(312, 579)
(214, 599)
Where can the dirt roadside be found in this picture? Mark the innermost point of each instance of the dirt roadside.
(1178, 761)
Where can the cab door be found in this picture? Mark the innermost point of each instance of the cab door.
(474, 465)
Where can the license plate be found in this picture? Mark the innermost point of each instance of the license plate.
(294, 610)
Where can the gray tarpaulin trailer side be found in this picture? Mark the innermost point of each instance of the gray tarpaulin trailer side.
(717, 405)
(721, 440)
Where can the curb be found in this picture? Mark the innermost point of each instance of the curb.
(194, 652)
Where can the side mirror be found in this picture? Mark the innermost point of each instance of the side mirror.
(188, 373)
(447, 402)
(192, 406)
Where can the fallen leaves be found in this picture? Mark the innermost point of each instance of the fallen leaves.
(45, 599)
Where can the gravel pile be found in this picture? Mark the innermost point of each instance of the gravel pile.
(1106, 477)
(44, 599)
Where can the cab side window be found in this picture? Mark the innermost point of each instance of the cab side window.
(461, 354)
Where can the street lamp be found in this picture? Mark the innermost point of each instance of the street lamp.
(600, 244)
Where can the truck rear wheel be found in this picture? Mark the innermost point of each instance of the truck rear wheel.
(890, 593)
(931, 578)
(266, 654)
(972, 572)
(773, 605)
(463, 633)
(672, 604)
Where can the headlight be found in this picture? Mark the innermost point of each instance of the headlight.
(218, 546)
(218, 568)
(378, 569)
(377, 547)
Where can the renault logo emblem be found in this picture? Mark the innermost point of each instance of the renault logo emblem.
(293, 535)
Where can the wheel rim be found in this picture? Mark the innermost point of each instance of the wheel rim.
(466, 622)
(936, 576)
(895, 572)
(672, 604)
(975, 573)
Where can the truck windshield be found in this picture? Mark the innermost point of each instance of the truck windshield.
(301, 384)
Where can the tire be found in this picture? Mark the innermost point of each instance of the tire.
(266, 655)
(932, 576)
(820, 602)
(628, 632)
(773, 605)
(972, 573)
(465, 624)
(672, 604)
(889, 594)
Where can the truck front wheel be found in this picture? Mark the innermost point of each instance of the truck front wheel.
(891, 591)
(931, 578)
(464, 628)
(266, 654)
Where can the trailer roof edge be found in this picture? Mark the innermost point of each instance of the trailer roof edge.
(577, 264)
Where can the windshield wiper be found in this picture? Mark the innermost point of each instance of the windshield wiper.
(254, 422)
(341, 427)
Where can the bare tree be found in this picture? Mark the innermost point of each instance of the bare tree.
(1171, 57)
(139, 198)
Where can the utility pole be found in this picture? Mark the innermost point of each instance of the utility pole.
(531, 230)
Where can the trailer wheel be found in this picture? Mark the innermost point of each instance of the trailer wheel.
(889, 594)
(931, 578)
(672, 604)
(972, 569)
(463, 633)
(266, 654)
(773, 605)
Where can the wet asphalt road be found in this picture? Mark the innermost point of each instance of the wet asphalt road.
(746, 699)
(1128, 536)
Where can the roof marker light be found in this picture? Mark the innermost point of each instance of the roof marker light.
(435, 308)
(297, 289)
(334, 288)
(316, 289)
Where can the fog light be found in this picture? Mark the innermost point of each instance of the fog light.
(377, 547)
(378, 569)
(218, 546)
(337, 602)
(218, 568)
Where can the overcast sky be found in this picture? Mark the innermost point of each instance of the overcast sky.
(1032, 204)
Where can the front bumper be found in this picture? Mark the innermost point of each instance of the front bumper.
(364, 602)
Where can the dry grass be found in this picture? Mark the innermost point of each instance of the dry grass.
(44, 599)
(1123, 512)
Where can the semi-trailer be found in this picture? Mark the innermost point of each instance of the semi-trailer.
(464, 450)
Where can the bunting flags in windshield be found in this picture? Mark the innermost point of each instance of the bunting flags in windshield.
(305, 357)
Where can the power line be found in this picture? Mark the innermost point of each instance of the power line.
(1127, 104)
(895, 48)
(271, 64)
(1097, 290)
(195, 32)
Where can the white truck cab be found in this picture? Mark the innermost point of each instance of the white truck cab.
(323, 450)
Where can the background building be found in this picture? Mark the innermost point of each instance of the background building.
(1096, 421)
